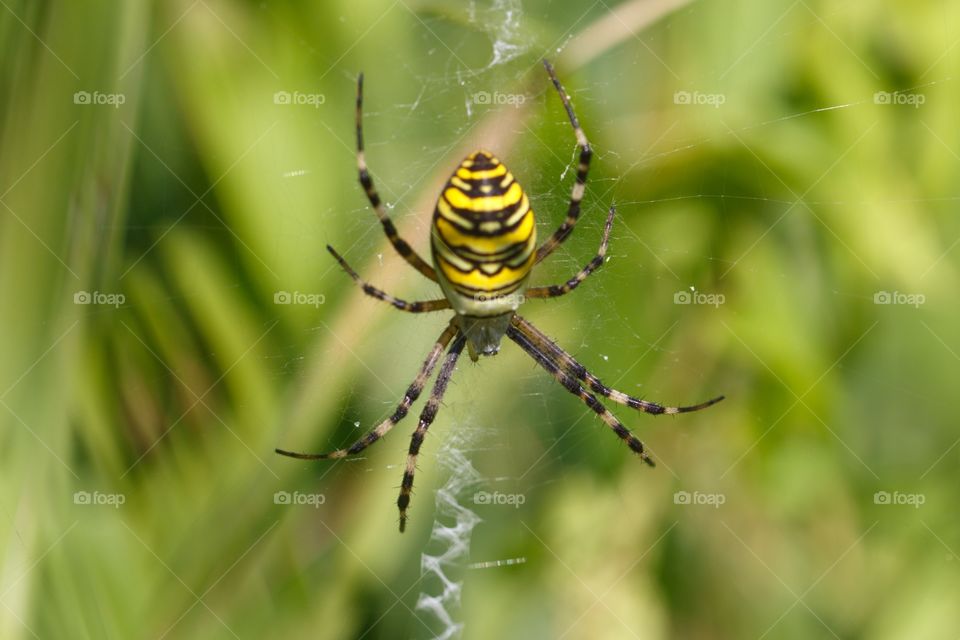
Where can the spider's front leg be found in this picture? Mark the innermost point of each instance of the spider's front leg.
(379, 294)
(557, 290)
(583, 166)
(366, 181)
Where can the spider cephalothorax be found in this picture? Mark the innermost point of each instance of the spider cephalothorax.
(484, 246)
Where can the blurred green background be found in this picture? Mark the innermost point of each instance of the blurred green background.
(790, 169)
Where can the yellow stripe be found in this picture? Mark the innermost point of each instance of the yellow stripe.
(481, 281)
(459, 183)
(485, 244)
(521, 211)
(488, 203)
(443, 251)
(468, 174)
(447, 212)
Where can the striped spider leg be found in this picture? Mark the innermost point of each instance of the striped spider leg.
(366, 181)
(413, 392)
(484, 246)
(426, 419)
(569, 364)
(427, 415)
(397, 303)
(557, 290)
(568, 382)
(583, 166)
(554, 352)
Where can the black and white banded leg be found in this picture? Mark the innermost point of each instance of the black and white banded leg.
(583, 166)
(413, 392)
(373, 292)
(573, 386)
(426, 419)
(366, 181)
(550, 348)
(556, 290)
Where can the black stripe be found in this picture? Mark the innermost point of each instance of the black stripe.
(514, 261)
(416, 440)
(471, 292)
(507, 256)
(482, 162)
(482, 216)
(475, 186)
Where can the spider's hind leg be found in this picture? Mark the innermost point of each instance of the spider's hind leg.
(573, 386)
(426, 419)
(577, 370)
(413, 392)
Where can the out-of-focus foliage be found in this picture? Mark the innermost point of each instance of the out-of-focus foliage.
(169, 169)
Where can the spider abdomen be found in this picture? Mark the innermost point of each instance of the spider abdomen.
(483, 238)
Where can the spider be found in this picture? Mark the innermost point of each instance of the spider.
(483, 244)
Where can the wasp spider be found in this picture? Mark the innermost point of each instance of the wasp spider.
(484, 245)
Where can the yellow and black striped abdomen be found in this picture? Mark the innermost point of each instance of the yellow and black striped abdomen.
(483, 238)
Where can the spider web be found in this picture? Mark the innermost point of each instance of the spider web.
(466, 429)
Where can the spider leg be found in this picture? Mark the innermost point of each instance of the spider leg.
(426, 419)
(547, 346)
(573, 211)
(373, 292)
(366, 181)
(413, 392)
(570, 384)
(556, 290)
